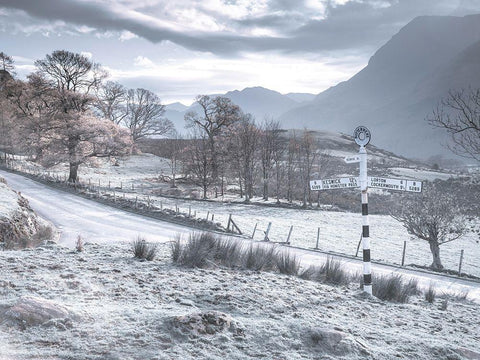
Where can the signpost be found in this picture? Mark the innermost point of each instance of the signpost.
(362, 137)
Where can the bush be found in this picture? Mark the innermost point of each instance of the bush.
(197, 252)
(332, 272)
(430, 294)
(260, 258)
(228, 252)
(144, 250)
(393, 288)
(308, 273)
(287, 264)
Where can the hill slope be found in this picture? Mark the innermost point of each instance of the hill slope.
(400, 86)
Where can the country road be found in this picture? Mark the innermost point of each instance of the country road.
(95, 222)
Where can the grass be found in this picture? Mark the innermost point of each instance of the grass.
(332, 272)
(287, 264)
(205, 250)
(430, 294)
(143, 250)
(394, 288)
(260, 257)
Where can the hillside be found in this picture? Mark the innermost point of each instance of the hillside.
(19, 225)
(400, 86)
(104, 304)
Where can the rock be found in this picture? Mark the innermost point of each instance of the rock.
(33, 311)
(334, 342)
(206, 323)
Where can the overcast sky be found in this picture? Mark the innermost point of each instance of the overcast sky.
(183, 48)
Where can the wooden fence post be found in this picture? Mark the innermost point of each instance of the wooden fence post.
(289, 233)
(254, 229)
(318, 238)
(460, 264)
(404, 250)
(266, 232)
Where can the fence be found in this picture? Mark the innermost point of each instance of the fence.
(140, 196)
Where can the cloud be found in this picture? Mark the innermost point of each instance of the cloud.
(235, 27)
(142, 61)
(87, 54)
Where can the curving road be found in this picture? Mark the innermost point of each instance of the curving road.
(95, 222)
(73, 215)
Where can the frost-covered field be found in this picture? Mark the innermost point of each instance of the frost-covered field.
(339, 232)
(110, 306)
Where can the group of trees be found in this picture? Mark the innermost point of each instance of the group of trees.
(228, 148)
(65, 112)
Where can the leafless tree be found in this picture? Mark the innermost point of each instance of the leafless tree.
(217, 114)
(110, 101)
(6, 63)
(432, 216)
(145, 115)
(307, 154)
(293, 149)
(459, 115)
(198, 162)
(245, 138)
(70, 132)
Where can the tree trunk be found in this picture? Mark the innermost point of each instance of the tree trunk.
(435, 249)
(73, 176)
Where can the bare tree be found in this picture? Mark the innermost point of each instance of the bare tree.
(245, 138)
(432, 216)
(459, 115)
(217, 114)
(267, 152)
(307, 154)
(71, 133)
(293, 149)
(6, 63)
(110, 101)
(198, 162)
(145, 115)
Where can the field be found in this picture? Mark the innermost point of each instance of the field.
(339, 231)
(108, 305)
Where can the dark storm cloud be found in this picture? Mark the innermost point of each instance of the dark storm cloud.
(353, 25)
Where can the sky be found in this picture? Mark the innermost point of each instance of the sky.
(180, 49)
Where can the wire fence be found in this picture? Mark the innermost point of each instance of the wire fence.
(334, 232)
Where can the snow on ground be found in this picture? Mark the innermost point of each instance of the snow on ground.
(421, 174)
(339, 232)
(120, 308)
(8, 201)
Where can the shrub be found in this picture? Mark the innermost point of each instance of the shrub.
(332, 272)
(287, 264)
(308, 273)
(228, 252)
(393, 288)
(144, 250)
(79, 244)
(260, 258)
(176, 249)
(430, 294)
(198, 251)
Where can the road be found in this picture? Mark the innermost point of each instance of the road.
(95, 222)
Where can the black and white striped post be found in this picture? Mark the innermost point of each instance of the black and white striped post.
(362, 137)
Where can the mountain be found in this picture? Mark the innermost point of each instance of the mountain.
(258, 101)
(176, 106)
(261, 102)
(300, 97)
(402, 83)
